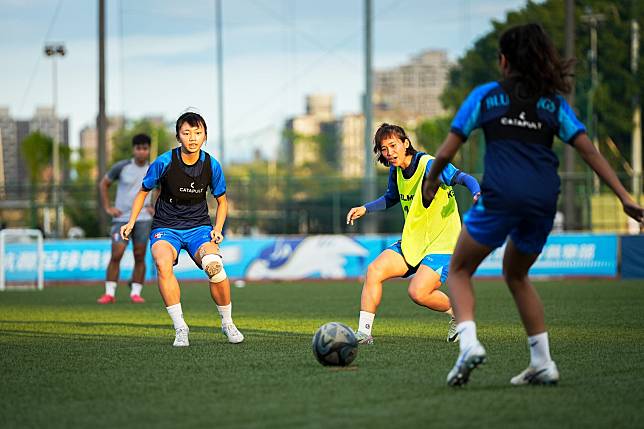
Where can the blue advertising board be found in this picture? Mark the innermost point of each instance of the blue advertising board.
(632, 256)
(293, 258)
(565, 255)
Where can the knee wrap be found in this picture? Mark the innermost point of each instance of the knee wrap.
(213, 265)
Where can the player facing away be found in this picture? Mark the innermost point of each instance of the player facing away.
(520, 116)
(181, 221)
(129, 173)
(429, 233)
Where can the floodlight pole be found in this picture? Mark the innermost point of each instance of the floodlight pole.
(101, 119)
(569, 155)
(636, 139)
(593, 20)
(220, 79)
(369, 185)
(53, 51)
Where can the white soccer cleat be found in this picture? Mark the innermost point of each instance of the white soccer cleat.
(468, 360)
(548, 374)
(181, 337)
(452, 333)
(363, 338)
(233, 334)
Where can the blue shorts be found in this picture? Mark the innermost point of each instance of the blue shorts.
(189, 239)
(528, 232)
(438, 262)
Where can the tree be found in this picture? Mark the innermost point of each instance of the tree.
(614, 112)
(162, 140)
(37, 151)
(79, 206)
(430, 133)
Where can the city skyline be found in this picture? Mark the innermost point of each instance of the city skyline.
(160, 58)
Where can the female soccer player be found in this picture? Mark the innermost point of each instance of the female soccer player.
(181, 221)
(520, 115)
(429, 233)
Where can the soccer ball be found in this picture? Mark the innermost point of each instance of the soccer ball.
(335, 344)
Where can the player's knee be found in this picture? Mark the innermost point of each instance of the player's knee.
(163, 266)
(415, 293)
(374, 272)
(139, 255)
(213, 266)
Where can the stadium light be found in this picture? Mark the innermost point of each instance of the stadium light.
(53, 51)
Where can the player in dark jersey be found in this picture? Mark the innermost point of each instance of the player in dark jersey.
(520, 116)
(181, 221)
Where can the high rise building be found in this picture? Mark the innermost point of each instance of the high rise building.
(302, 133)
(14, 131)
(412, 90)
(89, 140)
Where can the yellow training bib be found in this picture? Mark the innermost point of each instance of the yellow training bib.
(427, 230)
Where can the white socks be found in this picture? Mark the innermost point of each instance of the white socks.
(110, 288)
(176, 314)
(226, 313)
(539, 350)
(467, 333)
(366, 322)
(136, 289)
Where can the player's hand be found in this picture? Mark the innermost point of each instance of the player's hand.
(216, 236)
(476, 197)
(355, 213)
(633, 210)
(126, 230)
(113, 211)
(430, 187)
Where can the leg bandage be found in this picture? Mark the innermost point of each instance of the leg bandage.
(213, 265)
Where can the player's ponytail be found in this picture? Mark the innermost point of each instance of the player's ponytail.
(534, 60)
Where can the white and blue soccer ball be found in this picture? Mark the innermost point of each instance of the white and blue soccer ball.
(335, 344)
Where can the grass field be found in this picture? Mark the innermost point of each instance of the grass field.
(67, 362)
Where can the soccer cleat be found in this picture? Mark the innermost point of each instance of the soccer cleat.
(106, 299)
(452, 333)
(136, 299)
(546, 375)
(467, 360)
(363, 338)
(181, 337)
(233, 334)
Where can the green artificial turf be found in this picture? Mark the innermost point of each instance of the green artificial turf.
(67, 362)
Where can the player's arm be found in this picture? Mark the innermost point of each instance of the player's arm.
(388, 199)
(470, 182)
(137, 205)
(220, 219)
(103, 188)
(598, 163)
(443, 156)
(151, 201)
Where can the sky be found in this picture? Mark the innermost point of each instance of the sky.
(161, 57)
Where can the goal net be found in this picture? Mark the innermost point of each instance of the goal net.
(22, 259)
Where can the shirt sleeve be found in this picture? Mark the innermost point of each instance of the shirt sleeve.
(468, 117)
(114, 173)
(569, 126)
(217, 181)
(447, 175)
(468, 181)
(377, 205)
(156, 170)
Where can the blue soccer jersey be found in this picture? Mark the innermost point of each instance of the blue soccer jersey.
(520, 166)
(182, 201)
